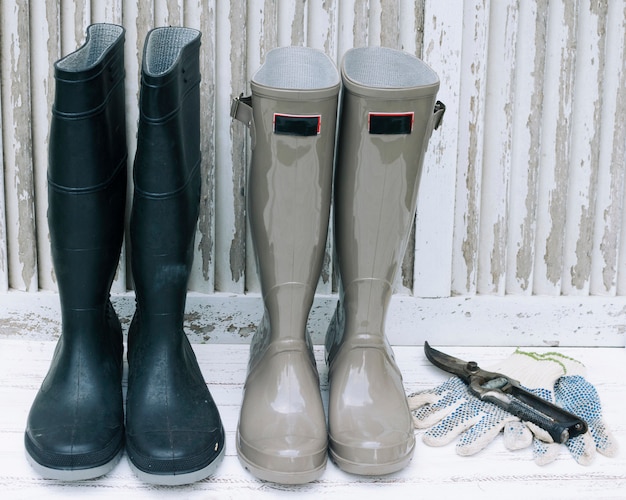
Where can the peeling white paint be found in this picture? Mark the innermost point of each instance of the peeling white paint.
(523, 185)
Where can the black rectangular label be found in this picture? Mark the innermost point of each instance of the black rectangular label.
(302, 125)
(390, 123)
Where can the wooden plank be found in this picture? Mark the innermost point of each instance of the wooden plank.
(434, 472)
(168, 12)
(473, 69)
(18, 164)
(555, 146)
(346, 31)
(75, 16)
(409, 22)
(360, 17)
(291, 23)
(472, 321)
(45, 46)
(200, 15)
(231, 149)
(608, 228)
(385, 30)
(411, 26)
(107, 11)
(321, 29)
(525, 146)
(4, 259)
(442, 49)
(585, 146)
(322, 35)
(496, 169)
(263, 27)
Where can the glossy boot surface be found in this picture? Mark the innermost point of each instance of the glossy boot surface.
(174, 433)
(386, 121)
(282, 434)
(75, 428)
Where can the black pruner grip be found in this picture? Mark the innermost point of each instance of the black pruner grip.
(561, 425)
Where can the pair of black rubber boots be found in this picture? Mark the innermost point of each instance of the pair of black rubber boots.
(77, 427)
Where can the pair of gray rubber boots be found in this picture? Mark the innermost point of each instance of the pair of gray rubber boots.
(381, 112)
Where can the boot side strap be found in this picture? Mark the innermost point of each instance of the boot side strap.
(241, 110)
(440, 109)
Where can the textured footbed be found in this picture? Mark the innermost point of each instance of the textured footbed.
(300, 68)
(163, 48)
(99, 39)
(382, 67)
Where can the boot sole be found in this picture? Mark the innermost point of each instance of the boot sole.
(73, 474)
(274, 476)
(369, 469)
(179, 479)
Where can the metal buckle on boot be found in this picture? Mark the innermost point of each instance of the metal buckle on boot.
(241, 109)
(440, 109)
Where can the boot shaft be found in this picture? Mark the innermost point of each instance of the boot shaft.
(386, 121)
(387, 117)
(168, 137)
(87, 169)
(294, 110)
(166, 175)
(88, 126)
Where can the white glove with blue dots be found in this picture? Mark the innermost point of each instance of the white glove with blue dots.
(451, 410)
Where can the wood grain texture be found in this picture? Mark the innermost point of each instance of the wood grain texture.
(523, 185)
(468, 321)
(434, 472)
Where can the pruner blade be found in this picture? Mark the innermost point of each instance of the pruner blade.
(509, 395)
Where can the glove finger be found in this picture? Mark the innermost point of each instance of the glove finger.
(604, 440)
(425, 411)
(582, 448)
(517, 435)
(545, 453)
(539, 433)
(457, 422)
(430, 407)
(479, 435)
(580, 397)
(428, 416)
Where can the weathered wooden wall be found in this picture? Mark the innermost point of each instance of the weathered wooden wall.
(523, 185)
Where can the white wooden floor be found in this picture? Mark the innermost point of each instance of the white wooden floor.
(433, 473)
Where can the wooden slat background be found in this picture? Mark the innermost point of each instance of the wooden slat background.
(523, 186)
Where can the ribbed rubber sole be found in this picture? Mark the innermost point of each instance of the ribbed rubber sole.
(73, 474)
(280, 477)
(370, 469)
(179, 479)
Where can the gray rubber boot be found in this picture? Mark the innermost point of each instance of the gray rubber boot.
(386, 121)
(282, 434)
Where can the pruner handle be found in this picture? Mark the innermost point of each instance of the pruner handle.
(560, 424)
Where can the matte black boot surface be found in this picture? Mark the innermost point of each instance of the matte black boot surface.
(174, 432)
(75, 429)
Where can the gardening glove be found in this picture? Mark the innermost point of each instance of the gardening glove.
(451, 410)
(575, 394)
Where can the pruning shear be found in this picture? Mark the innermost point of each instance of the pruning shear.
(509, 395)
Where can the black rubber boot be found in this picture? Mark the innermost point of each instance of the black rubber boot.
(173, 429)
(75, 428)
